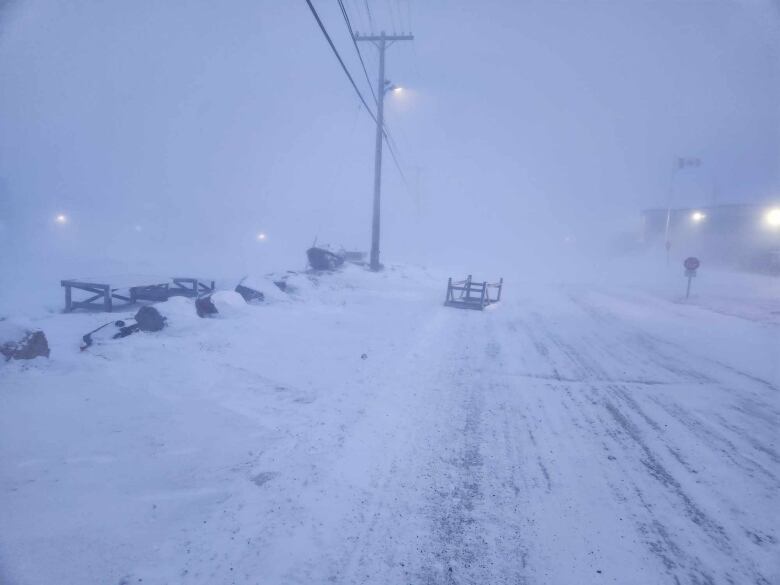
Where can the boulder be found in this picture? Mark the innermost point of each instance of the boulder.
(23, 344)
(149, 319)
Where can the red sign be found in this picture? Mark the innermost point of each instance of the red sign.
(691, 263)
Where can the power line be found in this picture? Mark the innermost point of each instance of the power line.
(370, 18)
(354, 42)
(390, 141)
(409, 13)
(354, 85)
(341, 61)
(392, 13)
(391, 144)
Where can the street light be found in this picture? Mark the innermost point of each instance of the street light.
(392, 87)
(61, 218)
(261, 237)
(698, 216)
(772, 217)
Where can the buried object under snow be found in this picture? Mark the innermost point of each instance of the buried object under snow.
(322, 259)
(205, 307)
(249, 294)
(146, 319)
(262, 289)
(225, 303)
(19, 343)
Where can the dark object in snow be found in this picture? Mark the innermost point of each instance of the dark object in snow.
(281, 285)
(149, 319)
(146, 319)
(205, 307)
(322, 259)
(250, 294)
(472, 295)
(32, 345)
(363, 356)
(264, 477)
(89, 338)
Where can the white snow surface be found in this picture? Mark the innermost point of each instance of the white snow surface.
(595, 433)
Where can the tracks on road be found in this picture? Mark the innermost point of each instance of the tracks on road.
(551, 440)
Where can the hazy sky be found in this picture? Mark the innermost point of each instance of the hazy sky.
(172, 131)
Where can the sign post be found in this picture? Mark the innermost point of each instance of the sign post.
(691, 264)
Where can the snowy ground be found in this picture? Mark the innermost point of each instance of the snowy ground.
(570, 434)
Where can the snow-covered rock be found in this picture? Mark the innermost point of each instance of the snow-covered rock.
(268, 286)
(229, 304)
(20, 343)
(179, 311)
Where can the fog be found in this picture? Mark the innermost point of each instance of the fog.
(171, 134)
(184, 401)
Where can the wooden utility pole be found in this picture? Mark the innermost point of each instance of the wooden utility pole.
(382, 42)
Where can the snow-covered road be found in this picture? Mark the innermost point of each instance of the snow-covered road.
(567, 435)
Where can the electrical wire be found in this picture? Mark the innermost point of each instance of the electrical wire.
(357, 49)
(385, 134)
(341, 61)
(370, 18)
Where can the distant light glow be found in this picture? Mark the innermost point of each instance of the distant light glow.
(261, 237)
(398, 89)
(698, 216)
(61, 218)
(772, 217)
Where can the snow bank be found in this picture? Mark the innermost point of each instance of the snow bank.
(267, 286)
(229, 304)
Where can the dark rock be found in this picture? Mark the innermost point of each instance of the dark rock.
(250, 294)
(149, 319)
(32, 345)
(205, 306)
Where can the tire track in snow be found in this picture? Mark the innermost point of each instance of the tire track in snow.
(627, 434)
(475, 512)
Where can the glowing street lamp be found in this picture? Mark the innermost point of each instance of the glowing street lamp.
(61, 218)
(698, 216)
(772, 217)
(261, 237)
(392, 87)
